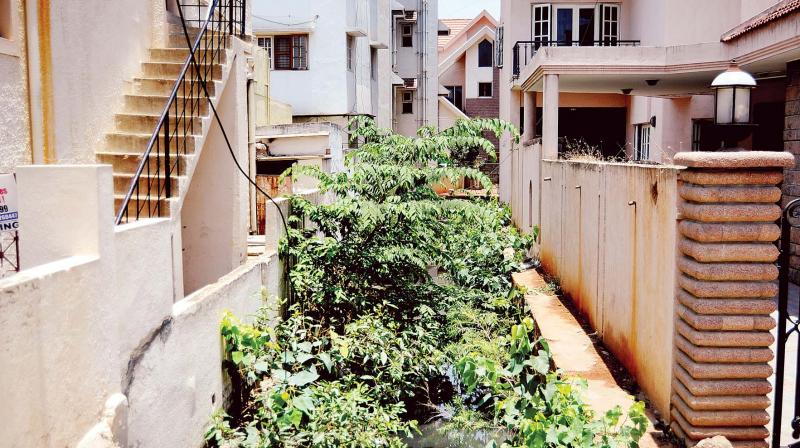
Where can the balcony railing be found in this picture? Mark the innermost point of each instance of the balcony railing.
(525, 50)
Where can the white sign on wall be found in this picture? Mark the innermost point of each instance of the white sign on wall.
(9, 214)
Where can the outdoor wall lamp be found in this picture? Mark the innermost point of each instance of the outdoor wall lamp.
(732, 96)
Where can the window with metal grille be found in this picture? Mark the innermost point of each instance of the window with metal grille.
(499, 47)
(455, 95)
(540, 23)
(351, 49)
(291, 52)
(696, 134)
(408, 103)
(373, 63)
(266, 44)
(642, 142)
(485, 89)
(609, 28)
(406, 36)
(485, 54)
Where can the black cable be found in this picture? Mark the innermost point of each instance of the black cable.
(222, 127)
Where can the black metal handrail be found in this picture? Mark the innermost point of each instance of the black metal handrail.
(151, 186)
(530, 47)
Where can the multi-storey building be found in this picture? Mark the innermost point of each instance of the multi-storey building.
(330, 59)
(414, 41)
(632, 78)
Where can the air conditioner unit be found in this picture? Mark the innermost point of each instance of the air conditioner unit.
(410, 83)
(410, 16)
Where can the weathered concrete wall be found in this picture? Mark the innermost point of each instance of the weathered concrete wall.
(95, 346)
(727, 272)
(608, 235)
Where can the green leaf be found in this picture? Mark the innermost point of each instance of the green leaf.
(302, 378)
(237, 357)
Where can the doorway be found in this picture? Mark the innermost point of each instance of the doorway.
(575, 26)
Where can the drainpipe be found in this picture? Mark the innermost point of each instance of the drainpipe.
(251, 151)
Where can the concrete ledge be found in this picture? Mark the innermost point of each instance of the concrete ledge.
(721, 402)
(723, 354)
(725, 322)
(730, 232)
(724, 252)
(712, 371)
(750, 193)
(747, 418)
(732, 433)
(730, 213)
(727, 306)
(738, 159)
(721, 388)
(728, 271)
(725, 338)
(728, 177)
(729, 289)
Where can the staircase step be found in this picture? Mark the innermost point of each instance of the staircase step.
(212, 40)
(179, 55)
(136, 123)
(155, 104)
(122, 182)
(163, 87)
(143, 206)
(171, 70)
(126, 143)
(128, 162)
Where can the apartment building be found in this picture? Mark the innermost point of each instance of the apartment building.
(133, 217)
(467, 69)
(632, 78)
(330, 59)
(415, 29)
(643, 80)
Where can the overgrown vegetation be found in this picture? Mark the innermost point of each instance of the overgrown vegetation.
(403, 312)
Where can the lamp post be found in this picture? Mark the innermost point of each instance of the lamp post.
(732, 96)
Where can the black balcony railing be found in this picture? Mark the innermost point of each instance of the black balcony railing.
(525, 50)
(208, 29)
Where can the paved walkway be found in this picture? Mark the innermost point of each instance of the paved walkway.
(576, 354)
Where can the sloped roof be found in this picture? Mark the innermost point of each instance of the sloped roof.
(455, 26)
(781, 9)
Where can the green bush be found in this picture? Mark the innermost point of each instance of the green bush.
(369, 334)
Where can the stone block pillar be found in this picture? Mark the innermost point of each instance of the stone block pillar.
(729, 203)
(791, 144)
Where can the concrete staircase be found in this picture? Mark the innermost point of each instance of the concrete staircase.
(135, 124)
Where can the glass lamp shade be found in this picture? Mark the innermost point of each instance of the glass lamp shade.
(724, 107)
(732, 96)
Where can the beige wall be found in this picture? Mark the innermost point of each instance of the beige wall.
(608, 236)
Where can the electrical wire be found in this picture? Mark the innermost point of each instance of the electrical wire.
(314, 20)
(222, 127)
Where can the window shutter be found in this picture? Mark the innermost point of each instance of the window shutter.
(499, 47)
(283, 52)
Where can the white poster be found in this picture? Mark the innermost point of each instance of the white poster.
(9, 214)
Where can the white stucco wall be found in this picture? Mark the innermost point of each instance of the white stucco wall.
(474, 74)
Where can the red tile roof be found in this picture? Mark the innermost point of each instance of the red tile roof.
(781, 9)
(455, 25)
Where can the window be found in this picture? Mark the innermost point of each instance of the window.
(455, 95)
(609, 24)
(406, 36)
(266, 44)
(485, 54)
(291, 52)
(499, 47)
(696, 134)
(444, 32)
(408, 102)
(541, 25)
(373, 63)
(5, 19)
(485, 89)
(351, 49)
(642, 142)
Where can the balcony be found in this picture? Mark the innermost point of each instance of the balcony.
(525, 50)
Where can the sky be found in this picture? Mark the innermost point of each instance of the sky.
(467, 9)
